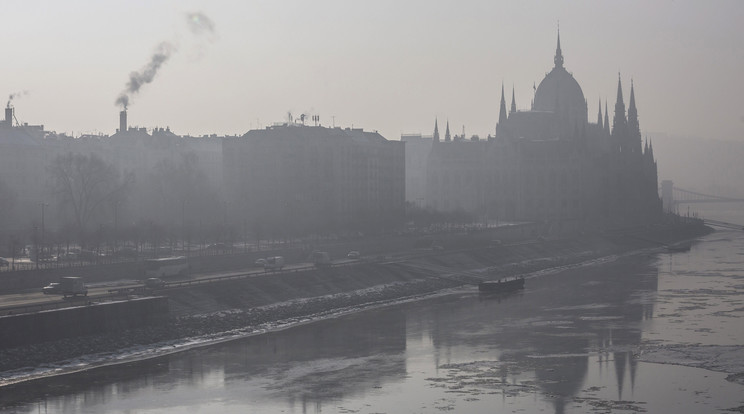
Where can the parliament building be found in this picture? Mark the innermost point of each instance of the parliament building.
(547, 164)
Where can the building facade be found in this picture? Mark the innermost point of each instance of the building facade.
(297, 179)
(549, 163)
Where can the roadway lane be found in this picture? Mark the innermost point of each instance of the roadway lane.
(101, 290)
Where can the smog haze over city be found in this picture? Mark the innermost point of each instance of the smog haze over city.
(382, 65)
(371, 206)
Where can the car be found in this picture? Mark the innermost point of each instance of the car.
(4, 262)
(154, 283)
(217, 246)
(68, 257)
(260, 262)
(353, 254)
(51, 289)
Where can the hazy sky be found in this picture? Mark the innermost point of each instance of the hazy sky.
(391, 66)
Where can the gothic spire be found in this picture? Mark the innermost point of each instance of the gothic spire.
(558, 59)
(634, 129)
(502, 111)
(619, 122)
(436, 131)
(513, 104)
(607, 119)
(599, 114)
(447, 136)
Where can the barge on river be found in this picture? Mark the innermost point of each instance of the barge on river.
(501, 285)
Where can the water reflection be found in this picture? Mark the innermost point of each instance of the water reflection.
(554, 339)
(554, 329)
(308, 364)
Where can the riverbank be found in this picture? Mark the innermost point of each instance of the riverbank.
(214, 312)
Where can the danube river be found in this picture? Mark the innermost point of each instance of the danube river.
(651, 332)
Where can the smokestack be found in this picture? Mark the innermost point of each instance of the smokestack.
(123, 121)
(9, 116)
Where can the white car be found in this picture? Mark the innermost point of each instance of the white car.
(260, 262)
(353, 254)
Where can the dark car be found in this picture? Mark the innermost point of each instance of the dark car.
(4, 262)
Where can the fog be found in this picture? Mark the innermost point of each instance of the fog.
(310, 78)
(379, 65)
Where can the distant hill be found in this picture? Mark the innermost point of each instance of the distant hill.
(704, 165)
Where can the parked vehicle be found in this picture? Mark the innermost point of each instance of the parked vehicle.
(320, 259)
(166, 266)
(260, 262)
(4, 262)
(274, 263)
(353, 254)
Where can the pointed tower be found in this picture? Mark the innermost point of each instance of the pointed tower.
(619, 123)
(447, 136)
(634, 129)
(502, 111)
(599, 115)
(558, 59)
(513, 104)
(436, 131)
(607, 120)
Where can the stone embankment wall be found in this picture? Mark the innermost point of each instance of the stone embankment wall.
(425, 273)
(31, 328)
(216, 308)
(14, 281)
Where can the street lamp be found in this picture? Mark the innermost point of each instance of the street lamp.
(41, 254)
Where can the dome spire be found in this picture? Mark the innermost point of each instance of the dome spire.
(558, 54)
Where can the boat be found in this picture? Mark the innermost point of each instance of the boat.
(501, 285)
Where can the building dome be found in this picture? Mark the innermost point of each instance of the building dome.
(559, 89)
(560, 93)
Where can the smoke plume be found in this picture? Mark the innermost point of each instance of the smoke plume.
(16, 95)
(198, 23)
(146, 75)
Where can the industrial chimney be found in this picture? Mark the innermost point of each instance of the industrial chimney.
(123, 121)
(9, 116)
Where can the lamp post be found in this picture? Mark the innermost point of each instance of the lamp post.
(41, 253)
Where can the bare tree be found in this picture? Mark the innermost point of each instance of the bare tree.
(178, 191)
(83, 185)
(7, 205)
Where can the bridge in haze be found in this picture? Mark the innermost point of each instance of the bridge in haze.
(672, 197)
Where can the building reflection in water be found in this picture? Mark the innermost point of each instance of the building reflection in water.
(592, 320)
(309, 364)
(554, 335)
